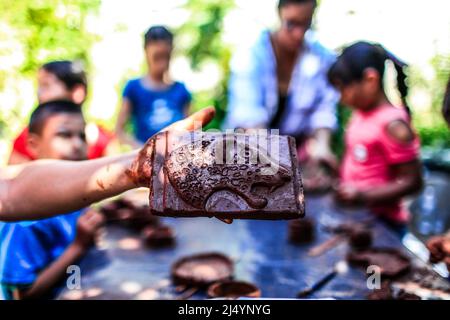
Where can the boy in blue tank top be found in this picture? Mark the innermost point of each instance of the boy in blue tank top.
(35, 255)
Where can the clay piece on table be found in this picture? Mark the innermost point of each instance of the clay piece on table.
(201, 270)
(228, 176)
(158, 236)
(385, 292)
(391, 262)
(360, 234)
(127, 214)
(301, 231)
(316, 178)
(233, 289)
(110, 208)
(361, 238)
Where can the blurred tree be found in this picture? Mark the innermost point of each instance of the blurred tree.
(200, 40)
(430, 125)
(33, 32)
(202, 32)
(50, 29)
(343, 115)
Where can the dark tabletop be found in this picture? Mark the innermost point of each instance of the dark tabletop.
(123, 268)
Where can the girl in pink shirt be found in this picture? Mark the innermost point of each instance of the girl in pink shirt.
(381, 161)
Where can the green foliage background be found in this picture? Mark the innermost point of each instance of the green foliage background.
(50, 29)
(200, 39)
(46, 30)
(431, 126)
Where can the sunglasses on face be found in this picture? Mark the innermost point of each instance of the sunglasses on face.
(291, 25)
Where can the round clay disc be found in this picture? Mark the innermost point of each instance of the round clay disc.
(201, 270)
(233, 289)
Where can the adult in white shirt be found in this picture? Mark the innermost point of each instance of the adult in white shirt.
(281, 83)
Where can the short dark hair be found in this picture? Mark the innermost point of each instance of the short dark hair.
(158, 33)
(71, 73)
(282, 3)
(45, 110)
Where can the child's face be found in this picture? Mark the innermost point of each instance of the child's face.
(158, 54)
(50, 88)
(360, 94)
(62, 137)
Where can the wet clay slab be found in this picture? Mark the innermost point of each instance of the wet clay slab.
(237, 176)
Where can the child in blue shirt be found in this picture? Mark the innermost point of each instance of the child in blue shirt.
(153, 101)
(34, 255)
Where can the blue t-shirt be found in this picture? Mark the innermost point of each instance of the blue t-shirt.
(153, 110)
(26, 248)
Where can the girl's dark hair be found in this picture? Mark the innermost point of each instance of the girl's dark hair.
(69, 72)
(282, 3)
(355, 59)
(158, 33)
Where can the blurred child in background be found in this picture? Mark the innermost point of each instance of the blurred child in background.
(34, 256)
(381, 162)
(439, 245)
(62, 80)
(446, 104)
(153, 101)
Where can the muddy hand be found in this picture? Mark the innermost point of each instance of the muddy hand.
(140, 169)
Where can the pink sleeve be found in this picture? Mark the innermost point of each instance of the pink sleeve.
(397, 152)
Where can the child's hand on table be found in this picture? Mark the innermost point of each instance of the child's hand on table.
(439, 247)
(349, 195)
(88, 226)
(321, 154)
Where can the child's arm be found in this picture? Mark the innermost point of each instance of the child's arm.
(407, 176)
(87, 226)
(34, 190)
(44, 188)
(122, 119)
(408, 180)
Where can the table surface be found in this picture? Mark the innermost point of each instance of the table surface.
(123, 268)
